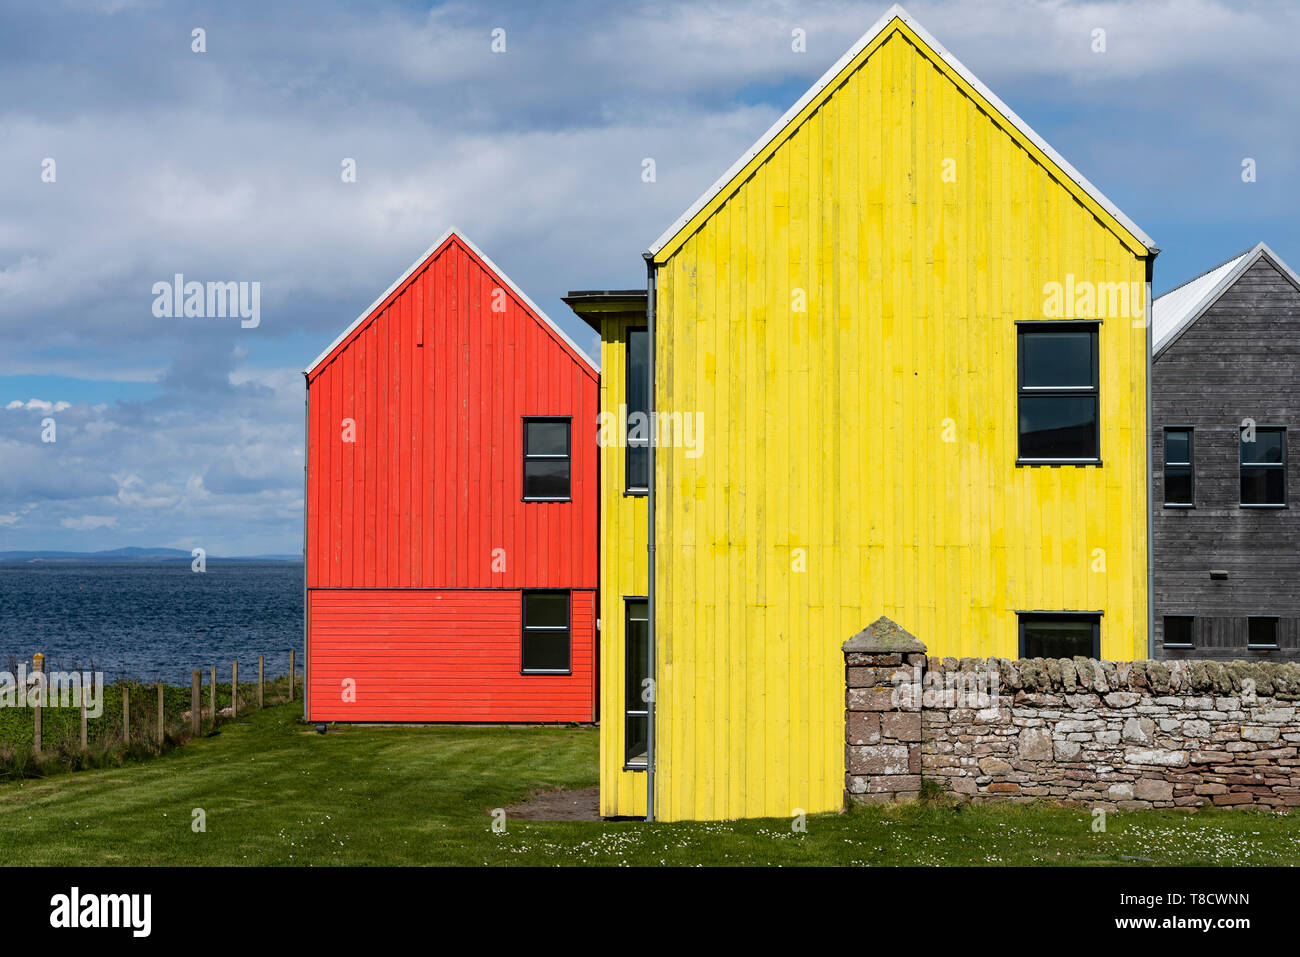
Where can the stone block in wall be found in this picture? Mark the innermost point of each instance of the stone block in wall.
(1156, 757)
(901, 725)
(872, 699)
(1232, 798)
(879, 759)
(1153, 789)
(863, 727)
(1253, 733)
(1139, 730)
(896, 784)
(1066, 751)
(887, 659)
(994, 766)
(1035, 744)
(1275, 716)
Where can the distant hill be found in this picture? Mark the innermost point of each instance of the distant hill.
(135, 554)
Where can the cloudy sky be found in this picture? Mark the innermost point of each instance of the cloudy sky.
(225, 165)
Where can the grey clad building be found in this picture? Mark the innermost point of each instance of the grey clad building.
(1225, 487)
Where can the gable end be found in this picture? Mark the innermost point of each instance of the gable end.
(415, 270)
(898, 21)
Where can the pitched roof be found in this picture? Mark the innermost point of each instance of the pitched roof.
(732, 178)
(458, 236)
(1176, 310)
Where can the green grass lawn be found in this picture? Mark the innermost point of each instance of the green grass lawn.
(277, 793)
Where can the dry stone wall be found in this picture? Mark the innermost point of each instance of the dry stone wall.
(1118, 735)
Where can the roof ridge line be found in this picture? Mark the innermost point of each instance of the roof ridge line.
(1202, 275)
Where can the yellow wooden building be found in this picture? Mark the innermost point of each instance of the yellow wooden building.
(620, 318)
(900, 366)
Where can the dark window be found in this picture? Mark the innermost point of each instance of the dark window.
(1263, 466)
(1058, 392)
(546, 460)
(638, 409)
(1261, 632)
(636, 667)
(1178, 631)
(546, 632)
(1060, 635)
(1178, 467)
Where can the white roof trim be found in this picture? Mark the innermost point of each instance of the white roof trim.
(1171, 312)
(1228, 274)
(897, 12)
(453, 231)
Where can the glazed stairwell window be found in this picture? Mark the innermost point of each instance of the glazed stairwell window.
(546, 633)
(1058, 392)
(637, 479)
(1263, 467)
(636, 668)
(546, 459)
(1178, 467)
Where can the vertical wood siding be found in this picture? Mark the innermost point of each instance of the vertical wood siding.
(823, 430)
(437, 383)
(429, 655)
(1236, 361)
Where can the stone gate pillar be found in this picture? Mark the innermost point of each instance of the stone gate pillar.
(884, 668)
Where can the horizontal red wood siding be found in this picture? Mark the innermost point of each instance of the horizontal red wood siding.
(430, 493)
(428, 655)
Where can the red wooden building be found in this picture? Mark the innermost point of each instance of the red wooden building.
(451, 506)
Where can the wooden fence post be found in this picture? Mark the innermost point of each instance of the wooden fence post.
(196, 708)
(82, 688)
(162, 733)
(126, 715)
(291, 675)
(212, 695)
(261, 686)
(234, 689)
(38, 667)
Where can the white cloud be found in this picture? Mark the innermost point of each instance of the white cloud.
(86, 523)
(39, 405)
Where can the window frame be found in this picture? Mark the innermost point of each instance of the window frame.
(1190, 464)
(525, 457)
(1280, 466)
(1042, 615)
(1164, 632)
(1277, 627)
(524, 629)
(629, 600)
(1032, 326)
(629, 489)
